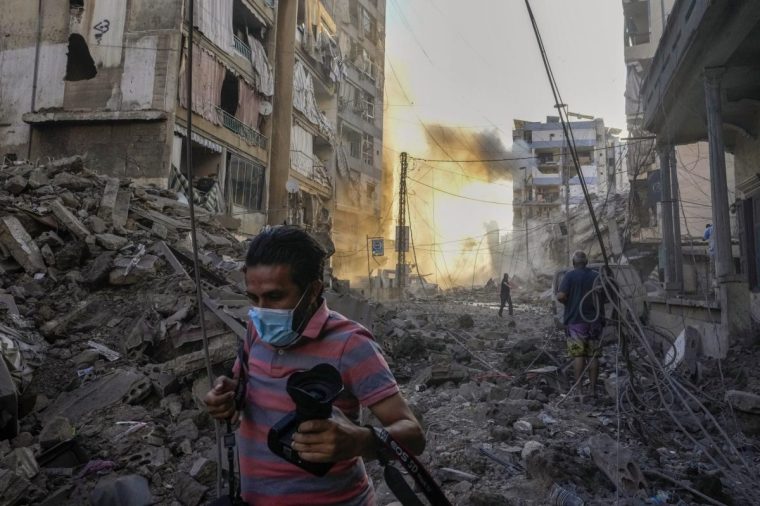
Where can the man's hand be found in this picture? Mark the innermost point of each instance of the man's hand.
(332, 440)
(220, 400)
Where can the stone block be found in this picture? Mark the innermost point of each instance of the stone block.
(20, 245)
(72, 181)
(38, 178)
(123, 274)
(57, 430)
(203, 470)
(746, 402)
(108, 202)
(188, 491)
(111, 242)
(68, 220)
(22, 462)
(97, 225)
(15, 185)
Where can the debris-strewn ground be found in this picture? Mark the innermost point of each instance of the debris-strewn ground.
(104, 372)
(500, 429)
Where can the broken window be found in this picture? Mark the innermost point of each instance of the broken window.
(230, 95)
(636, 23)
(354, 141)
(367, 106)
(368, 149)
(369, 25)
(79, 63)
(246, 182)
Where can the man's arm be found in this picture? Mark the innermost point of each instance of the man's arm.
(562, 297)
(339, 439)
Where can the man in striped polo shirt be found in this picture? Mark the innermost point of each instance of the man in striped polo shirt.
(291, 329)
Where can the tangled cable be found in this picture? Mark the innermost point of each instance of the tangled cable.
(653, 386)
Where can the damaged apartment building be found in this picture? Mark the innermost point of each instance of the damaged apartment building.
(546, 187)
(688, 209)
(701, 86)
(108, 78)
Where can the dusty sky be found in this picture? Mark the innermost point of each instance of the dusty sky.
(475, 64)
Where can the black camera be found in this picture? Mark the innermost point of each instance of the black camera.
(313, 392)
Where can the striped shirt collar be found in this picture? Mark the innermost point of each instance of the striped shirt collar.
(316, 324)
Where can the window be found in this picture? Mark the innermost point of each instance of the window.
(230, 93)
(368, 149)
(368, 106)
(369, 25)
(246, 183)
(79, 64)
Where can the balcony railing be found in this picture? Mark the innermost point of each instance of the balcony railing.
(242, 48)
(310, 167)
(247, 133)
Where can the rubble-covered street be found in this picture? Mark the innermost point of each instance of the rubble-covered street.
(101, 342)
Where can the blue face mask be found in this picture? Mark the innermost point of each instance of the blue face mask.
(275, 326)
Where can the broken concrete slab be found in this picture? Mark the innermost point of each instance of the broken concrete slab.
(20, 245)
(15, 185)
(72, 181)
(129, 490)
(22, 462)
(108, 201)
(747, 402)
(127, 272)
(188, 491)
(56, 431)
(97, 225)
(97, 394)
(617, 463)
(68, 220)
(111, 242)
(121, 209)
(12, 487)
(38, 178)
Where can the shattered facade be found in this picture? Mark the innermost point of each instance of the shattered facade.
(701, 86)
(108, 78)
(540, 186)
(359, 136)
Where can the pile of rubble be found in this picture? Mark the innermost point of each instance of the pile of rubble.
(103, 373)
(491, 394)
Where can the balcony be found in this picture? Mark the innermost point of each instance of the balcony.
(311, 168)
(245, 132)
(242, 48)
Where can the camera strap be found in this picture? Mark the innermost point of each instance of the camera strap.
(389, 447)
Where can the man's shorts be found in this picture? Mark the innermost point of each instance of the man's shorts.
(583, 339)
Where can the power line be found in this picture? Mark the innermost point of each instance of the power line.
(458, 195)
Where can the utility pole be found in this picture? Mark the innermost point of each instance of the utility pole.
(401, 242)
(282, 114)
(566, 179)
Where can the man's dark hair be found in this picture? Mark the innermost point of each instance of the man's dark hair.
(292, 246)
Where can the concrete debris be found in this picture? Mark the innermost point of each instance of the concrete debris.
(617, 464)
(103, 369)
(129, 490)
(19, 243)
(746, 402)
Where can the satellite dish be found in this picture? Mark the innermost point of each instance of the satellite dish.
(265, 108)
(292, 186)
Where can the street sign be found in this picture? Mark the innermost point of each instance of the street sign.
(378, 247)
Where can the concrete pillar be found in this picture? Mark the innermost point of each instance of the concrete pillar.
(282, 114)
(671, 243)
(733, 291)
(724, 262)
(676, 206)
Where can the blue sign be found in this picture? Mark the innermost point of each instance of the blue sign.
(378, 247)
